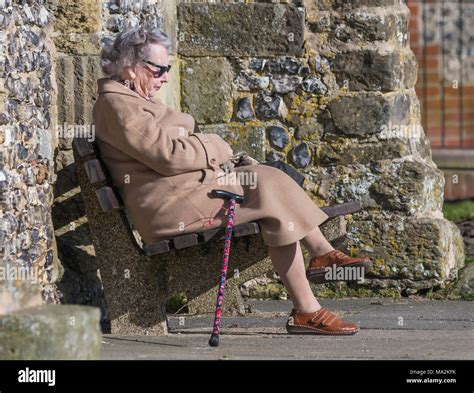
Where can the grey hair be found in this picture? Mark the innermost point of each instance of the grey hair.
(130, 47)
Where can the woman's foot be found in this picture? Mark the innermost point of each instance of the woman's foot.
(327, 268)
(319, 322)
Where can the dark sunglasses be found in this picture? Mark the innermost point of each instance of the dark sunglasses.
(161, 69)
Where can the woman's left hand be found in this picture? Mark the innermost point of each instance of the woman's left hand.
(227, 167)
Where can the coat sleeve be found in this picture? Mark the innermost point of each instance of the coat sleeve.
(137, 134)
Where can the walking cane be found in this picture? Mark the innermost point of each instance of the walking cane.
(233, 199)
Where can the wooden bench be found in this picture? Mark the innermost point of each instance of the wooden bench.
(170, 266)
(109, 198)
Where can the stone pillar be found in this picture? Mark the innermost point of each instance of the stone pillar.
(29, 267)
(373, 147)
(328, 86)
(26, 171)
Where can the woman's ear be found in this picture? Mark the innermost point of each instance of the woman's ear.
(129, 73)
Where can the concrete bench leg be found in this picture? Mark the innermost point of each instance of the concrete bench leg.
(134, 285)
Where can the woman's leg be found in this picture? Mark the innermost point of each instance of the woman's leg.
(316, 243)
(289, 264)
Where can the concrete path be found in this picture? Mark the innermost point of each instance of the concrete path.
(390, 329)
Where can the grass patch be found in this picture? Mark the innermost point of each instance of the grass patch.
(457, 211)
(177, 304)
(341, 290)
(469, 260)
(269, 291)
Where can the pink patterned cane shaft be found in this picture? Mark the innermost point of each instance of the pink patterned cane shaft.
(220, 293)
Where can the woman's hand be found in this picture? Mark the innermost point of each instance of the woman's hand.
(237, 160)
(243, 159)
(227, 167)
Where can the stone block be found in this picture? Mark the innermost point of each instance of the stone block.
(249, 137)
(240, 29)
(76, 16)
(51, 332)
(168, 12)
(377, 25)
(86, 72)
(359, 25)
(347, 152)
(370, 113)
(65, 97)
(77, 44)
(206, 85)
(465, 285)
(77, 23)
(317, 5)
(410, 68)
(170, 93)
(412, 186)
(19, 287)
(369, 69)
(414, 248)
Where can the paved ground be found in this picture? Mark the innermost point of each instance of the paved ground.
(390, 329)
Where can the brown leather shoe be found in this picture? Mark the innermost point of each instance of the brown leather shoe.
(333, 260)
(319, 322)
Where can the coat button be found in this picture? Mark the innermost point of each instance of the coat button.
(213, 160)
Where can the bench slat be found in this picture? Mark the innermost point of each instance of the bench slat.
(83, 147)
(248, 228)
(157, 248)
(342, 209)
(244, 229)
(107, 199)
(216, 233)
(94, 171)
(185, 241)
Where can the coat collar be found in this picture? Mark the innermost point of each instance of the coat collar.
(107, 85)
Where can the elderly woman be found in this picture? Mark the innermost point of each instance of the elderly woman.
(165, 170)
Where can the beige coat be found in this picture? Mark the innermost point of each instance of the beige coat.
(165, 172)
